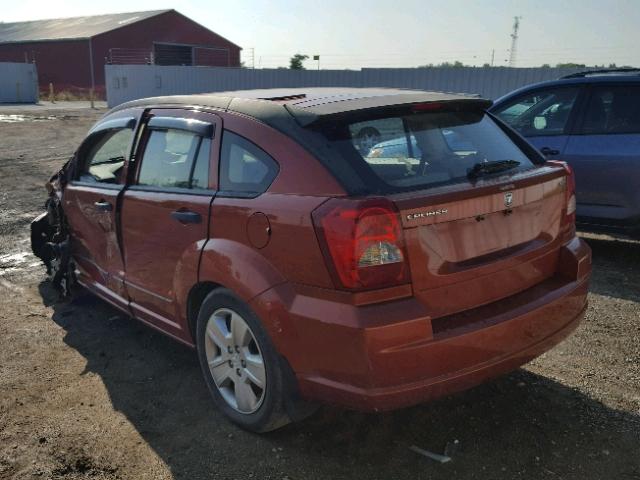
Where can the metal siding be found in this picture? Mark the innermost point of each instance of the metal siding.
(486, 82)
(18, 83)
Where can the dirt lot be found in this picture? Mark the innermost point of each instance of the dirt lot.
(88, 393)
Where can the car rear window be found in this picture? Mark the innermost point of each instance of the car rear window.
(415, 151)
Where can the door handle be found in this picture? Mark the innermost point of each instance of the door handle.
(549, 151)
(186, 216)
(103, 206)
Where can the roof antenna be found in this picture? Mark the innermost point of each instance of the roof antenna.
(514, 41)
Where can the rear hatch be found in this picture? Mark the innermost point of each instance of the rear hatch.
(482, 215)
(477, 244)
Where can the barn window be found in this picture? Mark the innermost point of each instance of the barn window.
(169, 54)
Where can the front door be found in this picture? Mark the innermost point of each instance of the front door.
(544, 117)
(165, 212)
(90, 203)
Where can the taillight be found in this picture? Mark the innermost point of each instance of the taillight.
(570, 192)
(364, 242)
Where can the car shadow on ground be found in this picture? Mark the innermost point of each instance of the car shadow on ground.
(520, 426)
(617, 261)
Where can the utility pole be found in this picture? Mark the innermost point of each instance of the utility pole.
(514, 41)
(317, 58)
(493, 55)
(253, 57)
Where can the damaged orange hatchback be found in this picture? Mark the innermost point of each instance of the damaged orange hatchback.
(372, 249)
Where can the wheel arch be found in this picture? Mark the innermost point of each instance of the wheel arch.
(229, 264)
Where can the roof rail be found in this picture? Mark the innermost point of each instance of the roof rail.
(603, 71)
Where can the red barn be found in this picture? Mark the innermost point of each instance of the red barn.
(71, 52)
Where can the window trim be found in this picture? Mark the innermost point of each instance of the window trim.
(188, 191)
(226, 193)
(115, 124)
(193, 125)
(569, 126)
(103, 185)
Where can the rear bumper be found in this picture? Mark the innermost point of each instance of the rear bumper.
(392, 355)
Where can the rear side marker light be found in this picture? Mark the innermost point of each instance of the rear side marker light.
(363, 243)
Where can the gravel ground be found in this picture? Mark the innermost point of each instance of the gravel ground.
(88, 393)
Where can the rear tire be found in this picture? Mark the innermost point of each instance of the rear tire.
(241, 367)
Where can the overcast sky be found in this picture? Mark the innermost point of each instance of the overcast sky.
(355, 34)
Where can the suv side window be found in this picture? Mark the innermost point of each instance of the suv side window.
(175, 158)
(612, 109)
(543, 112)
(244, 167)
(102, 159)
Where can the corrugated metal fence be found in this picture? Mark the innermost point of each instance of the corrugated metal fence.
(130, 82)
(18, 83)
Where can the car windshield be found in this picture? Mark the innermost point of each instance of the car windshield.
(427, 149)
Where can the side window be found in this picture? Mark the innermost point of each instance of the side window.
(102, 159)
(244, 167)
(175, 159)
(541, 112)
(612, 109)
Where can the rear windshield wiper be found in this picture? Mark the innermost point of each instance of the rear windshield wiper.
(484, 168)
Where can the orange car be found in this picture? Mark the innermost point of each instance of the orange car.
(307, 266)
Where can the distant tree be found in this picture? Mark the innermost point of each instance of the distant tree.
(486, 65)
(571, 65)
(455, 64)
(545, 65)
(612, 65)
(295, 63)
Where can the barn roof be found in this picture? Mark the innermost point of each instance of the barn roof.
(75, 28)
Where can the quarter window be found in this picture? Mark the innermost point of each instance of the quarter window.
(244, 167)
(612, 109)
(175, 159)
(103, 158)
(540, 113)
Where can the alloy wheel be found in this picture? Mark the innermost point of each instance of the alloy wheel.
(235, 361)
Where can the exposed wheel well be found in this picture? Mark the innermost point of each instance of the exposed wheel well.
(197, 294)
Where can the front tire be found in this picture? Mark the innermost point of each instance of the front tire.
(240, 365)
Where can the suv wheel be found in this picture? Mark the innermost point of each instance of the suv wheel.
(239, 363)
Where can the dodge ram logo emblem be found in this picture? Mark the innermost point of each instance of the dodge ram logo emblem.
(508, 199)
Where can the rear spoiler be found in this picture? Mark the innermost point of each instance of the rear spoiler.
(307, 115)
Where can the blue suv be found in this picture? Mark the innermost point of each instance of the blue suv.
(591, 120)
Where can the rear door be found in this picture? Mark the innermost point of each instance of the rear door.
(165, 211)
(544, 117)
(90, 204)
(605, 155)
